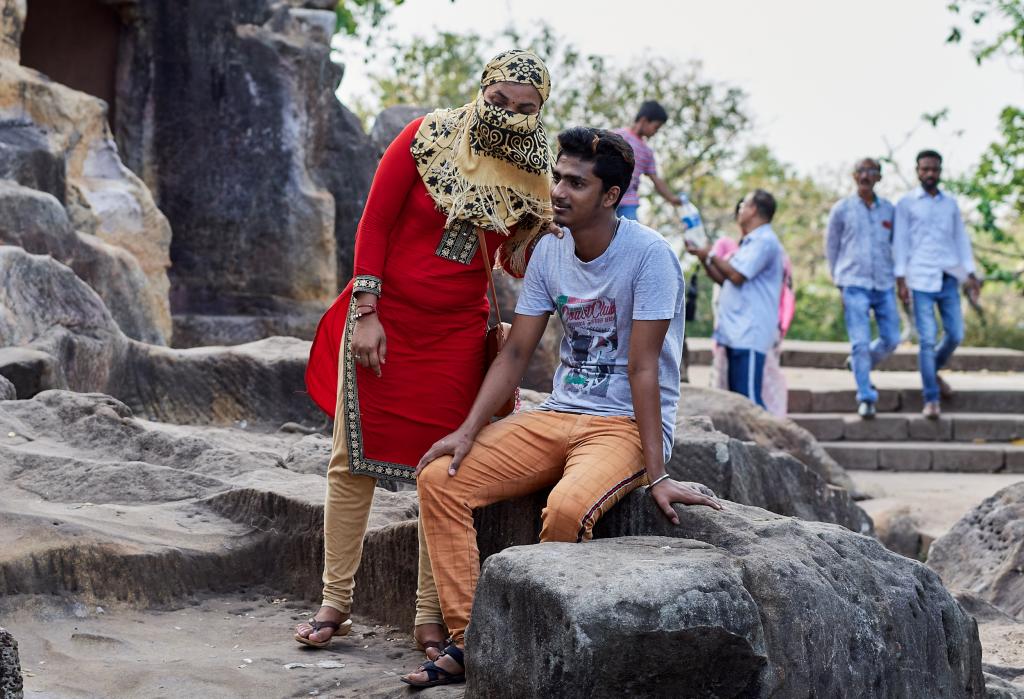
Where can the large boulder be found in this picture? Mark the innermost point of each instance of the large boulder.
(11, 685)
(229, 112)
(57, 140)
(984, 552)
(736, 416)
(738, 603)
(37, 222)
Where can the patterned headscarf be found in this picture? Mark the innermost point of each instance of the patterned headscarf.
(486, 166)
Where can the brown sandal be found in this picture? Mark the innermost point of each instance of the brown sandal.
(337, 629)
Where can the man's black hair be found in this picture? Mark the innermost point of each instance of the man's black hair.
(765, 204)
(928, 154)
(611, 155)
(652, 111)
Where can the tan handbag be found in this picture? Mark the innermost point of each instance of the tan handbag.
(496, 334)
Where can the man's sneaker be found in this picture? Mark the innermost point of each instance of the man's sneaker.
(931, 410)
(945, 390)
(866, 410)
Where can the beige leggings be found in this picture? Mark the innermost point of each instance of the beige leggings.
(346, 512)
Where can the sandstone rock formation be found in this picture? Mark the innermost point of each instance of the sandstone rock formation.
(984, 552)
(101, 219)
(738, 603)
(64, 337)
(228, 111)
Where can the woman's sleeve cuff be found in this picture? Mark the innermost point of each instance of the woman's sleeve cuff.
(366, 282)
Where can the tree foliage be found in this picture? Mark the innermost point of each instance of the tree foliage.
(996, 185)
(705, 117)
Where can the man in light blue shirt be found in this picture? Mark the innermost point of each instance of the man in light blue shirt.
(748, 307)
(932, 256)
(858, 245)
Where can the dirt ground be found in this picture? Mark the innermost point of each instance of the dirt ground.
(213, 648)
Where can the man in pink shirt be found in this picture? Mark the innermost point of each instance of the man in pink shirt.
(651, 117)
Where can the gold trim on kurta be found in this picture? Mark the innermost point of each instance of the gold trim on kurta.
(366, 282)
(358, 461)
(458, 242)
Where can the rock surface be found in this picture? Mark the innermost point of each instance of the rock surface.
(264, 220)
(390, 122)
(38, 223)
(10, 667)
(57, 140)
(719, 609)
(738, 417)
(7, 391)
(63, 336)
(984, 552)
(106, 507)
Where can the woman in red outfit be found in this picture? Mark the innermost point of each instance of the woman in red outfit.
(399, 356)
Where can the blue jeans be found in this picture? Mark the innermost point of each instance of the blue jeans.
(865, 353)
(627, 211)
(746, 371)
(932, 358)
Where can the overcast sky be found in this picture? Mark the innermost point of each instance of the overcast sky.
(828, 80)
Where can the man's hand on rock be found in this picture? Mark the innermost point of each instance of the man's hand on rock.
(670, 491)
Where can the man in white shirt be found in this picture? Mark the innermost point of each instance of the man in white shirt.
(932, 256)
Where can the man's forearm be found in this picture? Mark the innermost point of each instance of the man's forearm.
(502, 379)
(643, 383)
(727, 271)
(713, 272)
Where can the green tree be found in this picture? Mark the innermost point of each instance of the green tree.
(996, 184)
(705, 117)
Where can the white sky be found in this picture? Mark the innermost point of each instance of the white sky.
(828, 80)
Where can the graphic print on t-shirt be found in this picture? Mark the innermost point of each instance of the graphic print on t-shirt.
(590, 330)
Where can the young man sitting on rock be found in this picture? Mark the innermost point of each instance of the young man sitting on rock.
(607, 427)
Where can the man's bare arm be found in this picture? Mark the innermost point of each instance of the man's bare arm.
(502, 378)
(718, 269)
(665, 191)
(646, 340)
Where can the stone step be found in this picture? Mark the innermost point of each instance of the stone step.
(832, 355)
(901, 427)
(906, 400)
(927, 456)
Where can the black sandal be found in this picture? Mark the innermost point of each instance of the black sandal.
(438, 675)
(337, 629)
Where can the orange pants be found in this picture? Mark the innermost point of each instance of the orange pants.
(591, 461)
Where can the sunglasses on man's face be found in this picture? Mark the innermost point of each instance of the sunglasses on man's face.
(868, 171)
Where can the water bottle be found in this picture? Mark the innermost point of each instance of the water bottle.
(693, 226)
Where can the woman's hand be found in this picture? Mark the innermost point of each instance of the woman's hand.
(369, 346)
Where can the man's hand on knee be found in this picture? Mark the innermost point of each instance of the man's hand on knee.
(457, 445)
(671, 491)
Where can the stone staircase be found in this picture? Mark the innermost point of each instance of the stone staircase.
(981, 429)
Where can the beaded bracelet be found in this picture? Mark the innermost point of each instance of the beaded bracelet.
(359, 314)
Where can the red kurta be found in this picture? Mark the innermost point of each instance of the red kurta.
(434, 312)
